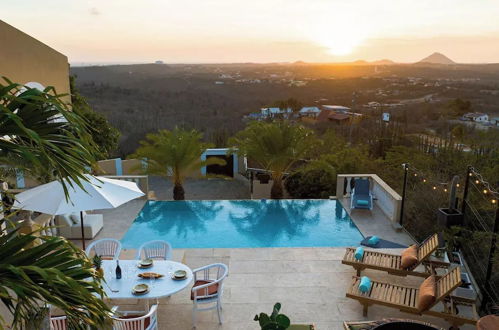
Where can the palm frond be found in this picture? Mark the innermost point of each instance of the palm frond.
(54, 271)
(37, 128)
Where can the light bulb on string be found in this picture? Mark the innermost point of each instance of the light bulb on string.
(485, 191)
(477, 181)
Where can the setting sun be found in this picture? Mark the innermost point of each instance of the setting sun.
(340, 36)
(340, 43)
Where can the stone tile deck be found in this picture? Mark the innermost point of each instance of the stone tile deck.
(309, 282)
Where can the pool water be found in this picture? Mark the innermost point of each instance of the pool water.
(243, 224)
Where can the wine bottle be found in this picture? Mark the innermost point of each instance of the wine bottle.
(118, 270)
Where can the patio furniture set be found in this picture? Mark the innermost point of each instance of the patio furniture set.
(422, 300)
(206, 290)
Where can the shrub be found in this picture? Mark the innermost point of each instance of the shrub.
(311, 183)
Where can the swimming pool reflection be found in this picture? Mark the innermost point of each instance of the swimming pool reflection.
(269, 221)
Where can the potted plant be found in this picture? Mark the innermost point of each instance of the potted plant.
(450, 216)
(275, 321)
(97, 262)
(278, 321)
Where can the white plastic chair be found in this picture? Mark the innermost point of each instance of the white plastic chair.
(106, 248)
(58, 323)
(155, 250)
(136, 323)
(208, 289)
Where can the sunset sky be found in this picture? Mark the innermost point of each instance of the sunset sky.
(201, 31)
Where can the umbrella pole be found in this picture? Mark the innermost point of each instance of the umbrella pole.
(82, 231)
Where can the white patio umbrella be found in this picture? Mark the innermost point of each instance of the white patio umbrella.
(98, 193)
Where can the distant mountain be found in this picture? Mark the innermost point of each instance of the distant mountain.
(437, 58)
(383, 62)
(378, 62)
(360, 62)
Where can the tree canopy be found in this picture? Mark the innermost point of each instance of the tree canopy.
(276, 147)
(105, 136)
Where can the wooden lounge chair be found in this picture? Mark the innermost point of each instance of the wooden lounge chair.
(391, 262)
(405, 298)
(394, 323)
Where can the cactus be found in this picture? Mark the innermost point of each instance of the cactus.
(275, 321)
(452, 192)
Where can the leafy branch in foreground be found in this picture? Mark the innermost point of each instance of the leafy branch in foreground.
(38, 129)
(52, 271)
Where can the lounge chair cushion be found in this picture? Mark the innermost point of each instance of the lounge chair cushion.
(488, 322)
(362, 202)
(212, 289)
(409, 257)
(427, 294)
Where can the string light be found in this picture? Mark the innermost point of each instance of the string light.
(478, 180)
(485, 186)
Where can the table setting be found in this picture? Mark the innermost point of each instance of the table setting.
(144, 279)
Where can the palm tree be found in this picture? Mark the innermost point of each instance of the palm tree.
(276, 147)
(176, 155)
(37, 130)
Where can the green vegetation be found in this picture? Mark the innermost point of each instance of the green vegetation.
(105, 136)
(276, 147)
(275, 321)
(139, 99)
(40, 133)
(176, 155)
(52, 271)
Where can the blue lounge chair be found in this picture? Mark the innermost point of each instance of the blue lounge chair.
(361, 195)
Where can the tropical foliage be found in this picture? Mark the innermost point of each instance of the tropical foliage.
(176, 155)
(38, 131)
(40, 135)
(53, 271)
(276, 147)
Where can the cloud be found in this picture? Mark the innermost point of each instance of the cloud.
(94, 11)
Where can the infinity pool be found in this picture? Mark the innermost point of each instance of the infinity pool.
(243, 224)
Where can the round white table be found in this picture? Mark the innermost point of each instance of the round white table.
(158, 288)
